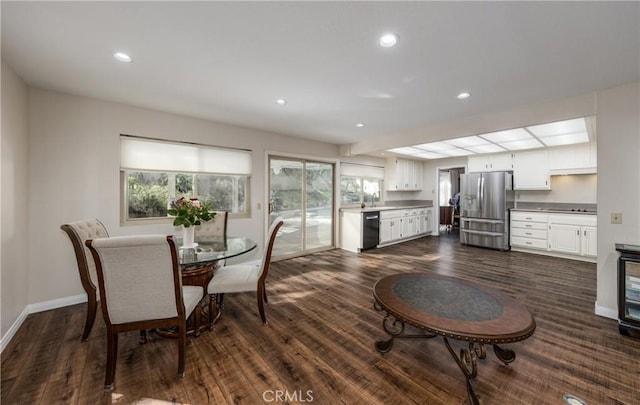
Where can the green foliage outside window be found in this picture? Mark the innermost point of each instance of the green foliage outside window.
(149, 193)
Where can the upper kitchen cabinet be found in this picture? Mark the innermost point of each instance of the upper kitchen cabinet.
(490, 163)
(531, 170)
(574, 159)
(404, 175)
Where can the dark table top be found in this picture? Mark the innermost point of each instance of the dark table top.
(454, 308)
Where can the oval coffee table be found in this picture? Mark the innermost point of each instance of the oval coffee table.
(454, 309)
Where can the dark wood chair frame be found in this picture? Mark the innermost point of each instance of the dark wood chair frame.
(113, 330)
(216, 300)
(85, 278)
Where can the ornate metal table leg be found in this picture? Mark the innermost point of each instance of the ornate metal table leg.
(505, 355)
(468, 364)
(395, 329)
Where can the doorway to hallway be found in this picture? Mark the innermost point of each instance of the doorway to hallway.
(449, 201)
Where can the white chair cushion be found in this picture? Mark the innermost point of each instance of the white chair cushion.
(235, 278)
(191, 295)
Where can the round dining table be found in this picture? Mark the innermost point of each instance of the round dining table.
(197, 265)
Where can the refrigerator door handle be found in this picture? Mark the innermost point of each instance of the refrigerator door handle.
(479, 193)
(483, 220)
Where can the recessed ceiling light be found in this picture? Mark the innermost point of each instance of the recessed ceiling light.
(360, 125)
(122, 57)
(463, 95)
(388, 40)
(281, 101)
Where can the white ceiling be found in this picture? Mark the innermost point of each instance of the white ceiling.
(229, 61)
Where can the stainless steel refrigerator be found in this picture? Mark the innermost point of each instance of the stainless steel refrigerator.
(485, 200)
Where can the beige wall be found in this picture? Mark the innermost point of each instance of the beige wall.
(15, 251)
(575, 188)
(618, 184)
(74, 174)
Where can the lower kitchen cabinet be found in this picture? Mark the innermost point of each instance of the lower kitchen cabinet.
(402, 224)
(396, 225)
(529, 230)
(573, 236)
(589, 241)
(389, 229)
(564, 239)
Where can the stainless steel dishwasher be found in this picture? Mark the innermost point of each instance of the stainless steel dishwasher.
(370, 229)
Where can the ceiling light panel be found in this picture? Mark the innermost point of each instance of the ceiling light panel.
(559, 128)
(568, 139)
(430, 155)
(488, 148)
(467, 141)
(456, 152)
(507, 136)
(433, 146)
(522, 144)
(407, 150)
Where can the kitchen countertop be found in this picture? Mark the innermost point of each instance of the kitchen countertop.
(383, 208)
(556, 211)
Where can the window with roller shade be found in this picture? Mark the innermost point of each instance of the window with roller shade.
(360, 183)
(155, 172)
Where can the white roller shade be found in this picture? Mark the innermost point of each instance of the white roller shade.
(147, 154)
(356, 170)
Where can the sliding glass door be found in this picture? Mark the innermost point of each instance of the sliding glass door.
(301, 191)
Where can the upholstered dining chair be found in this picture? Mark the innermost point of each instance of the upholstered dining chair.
(141, 288)
(243, 277)
(216, 227)
(79, 232)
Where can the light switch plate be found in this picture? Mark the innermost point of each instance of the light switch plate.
(616, 217)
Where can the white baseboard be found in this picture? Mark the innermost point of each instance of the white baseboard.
(13, 329)
(57, 303)
(606, 312)
(39, 307)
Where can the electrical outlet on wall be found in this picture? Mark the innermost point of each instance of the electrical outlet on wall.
(616, 217)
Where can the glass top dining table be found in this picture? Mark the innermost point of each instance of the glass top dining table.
(211, 249)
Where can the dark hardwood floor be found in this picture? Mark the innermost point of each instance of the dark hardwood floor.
(319, 345)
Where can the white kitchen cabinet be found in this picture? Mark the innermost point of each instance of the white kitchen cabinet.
(404, 175)
(531, 170)
(418, 174)
(409, 227)
(389, 230)
(589, 241)
(390, 226)
(573, 236)
(529, 230)
(490, 163)
(428, 220)
(351, 231)
(397, 225)
(564, 238)
(573, 159)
